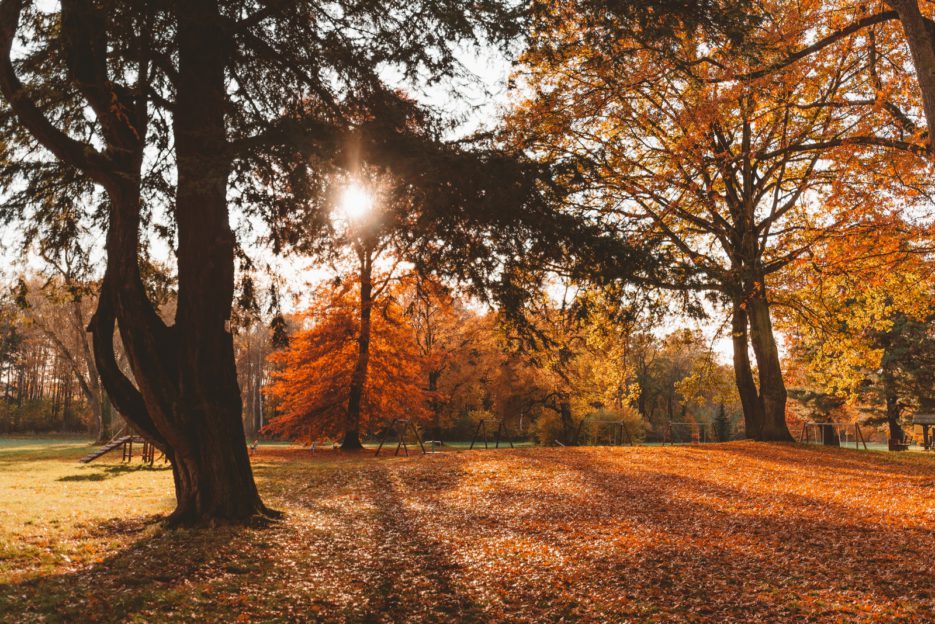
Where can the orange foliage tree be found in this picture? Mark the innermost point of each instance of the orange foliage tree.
(313, 383)
(729, 181)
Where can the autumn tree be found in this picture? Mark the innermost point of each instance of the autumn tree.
(315, 377)
(729, 181)
(863, 329)
(577, 344)
(150, 108)
(58, 308)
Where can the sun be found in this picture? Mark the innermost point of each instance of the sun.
(355, 202)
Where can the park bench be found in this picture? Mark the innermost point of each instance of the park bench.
(900, 444)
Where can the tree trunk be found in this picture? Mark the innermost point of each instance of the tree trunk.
(568, 424)
(104, 419)
(743, 374)
(829, 436)
(359, 376)
(921, 39)
(211, 467)
(435, 404)
(772, 386)
(892, 408)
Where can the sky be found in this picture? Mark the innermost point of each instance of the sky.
(477, 103)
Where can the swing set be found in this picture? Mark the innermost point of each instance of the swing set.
(823, 429)
(500, 432)
(400, 427)
(697, 433)
(617, 431)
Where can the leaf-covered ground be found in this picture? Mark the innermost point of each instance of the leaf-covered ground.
(740, 532)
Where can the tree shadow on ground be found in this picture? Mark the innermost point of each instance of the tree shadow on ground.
(800, 559)
(102, 473)
(141, 582)
(842, 460)
(416, 572)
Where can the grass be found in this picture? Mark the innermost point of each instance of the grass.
(733, 532)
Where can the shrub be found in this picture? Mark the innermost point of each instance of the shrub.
(634, 423)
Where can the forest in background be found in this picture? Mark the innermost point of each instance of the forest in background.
(448, 363)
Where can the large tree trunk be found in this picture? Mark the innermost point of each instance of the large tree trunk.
(569, 431)
(185, 399)
(359, 376)
(896, 433)
(211, 467)
(743, 373)
(921, 39)
(772, 386)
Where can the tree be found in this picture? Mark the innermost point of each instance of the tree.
(577, 346)
(887, 35)
(863, 329)
(317, 372)
(443, 333)
(719, 178)
(150, 106)
(59, 308)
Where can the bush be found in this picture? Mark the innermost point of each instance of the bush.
(548, 428)
(632, 421)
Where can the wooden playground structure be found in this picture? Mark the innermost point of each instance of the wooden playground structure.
(124, 441)
(823, 429)
(928, 437)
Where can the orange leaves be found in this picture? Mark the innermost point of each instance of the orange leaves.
(313, 381)
(740, 532)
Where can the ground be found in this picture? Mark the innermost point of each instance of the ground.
(740, 532)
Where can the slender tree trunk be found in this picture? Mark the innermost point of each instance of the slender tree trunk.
(743, 373)
(359, 376)
(436, 405)
(105, 418)
(772, 386)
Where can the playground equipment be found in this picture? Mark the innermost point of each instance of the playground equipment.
(841, 429)
(501, 429)
(696, 433)
(400, 427)
(123, 441)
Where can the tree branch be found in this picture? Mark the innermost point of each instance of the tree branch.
(65, 148)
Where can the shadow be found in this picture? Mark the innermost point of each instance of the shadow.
(145, 581)
(693, 529)
(858, 462)
(111, 471)
(525, 536)
(416, 573)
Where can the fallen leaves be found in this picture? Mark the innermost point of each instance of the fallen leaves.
(741, 532)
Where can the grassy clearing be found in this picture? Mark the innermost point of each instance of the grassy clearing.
(734, 532)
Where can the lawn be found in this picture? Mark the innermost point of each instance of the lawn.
(739, 532)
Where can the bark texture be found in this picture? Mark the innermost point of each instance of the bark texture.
(184, 396)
